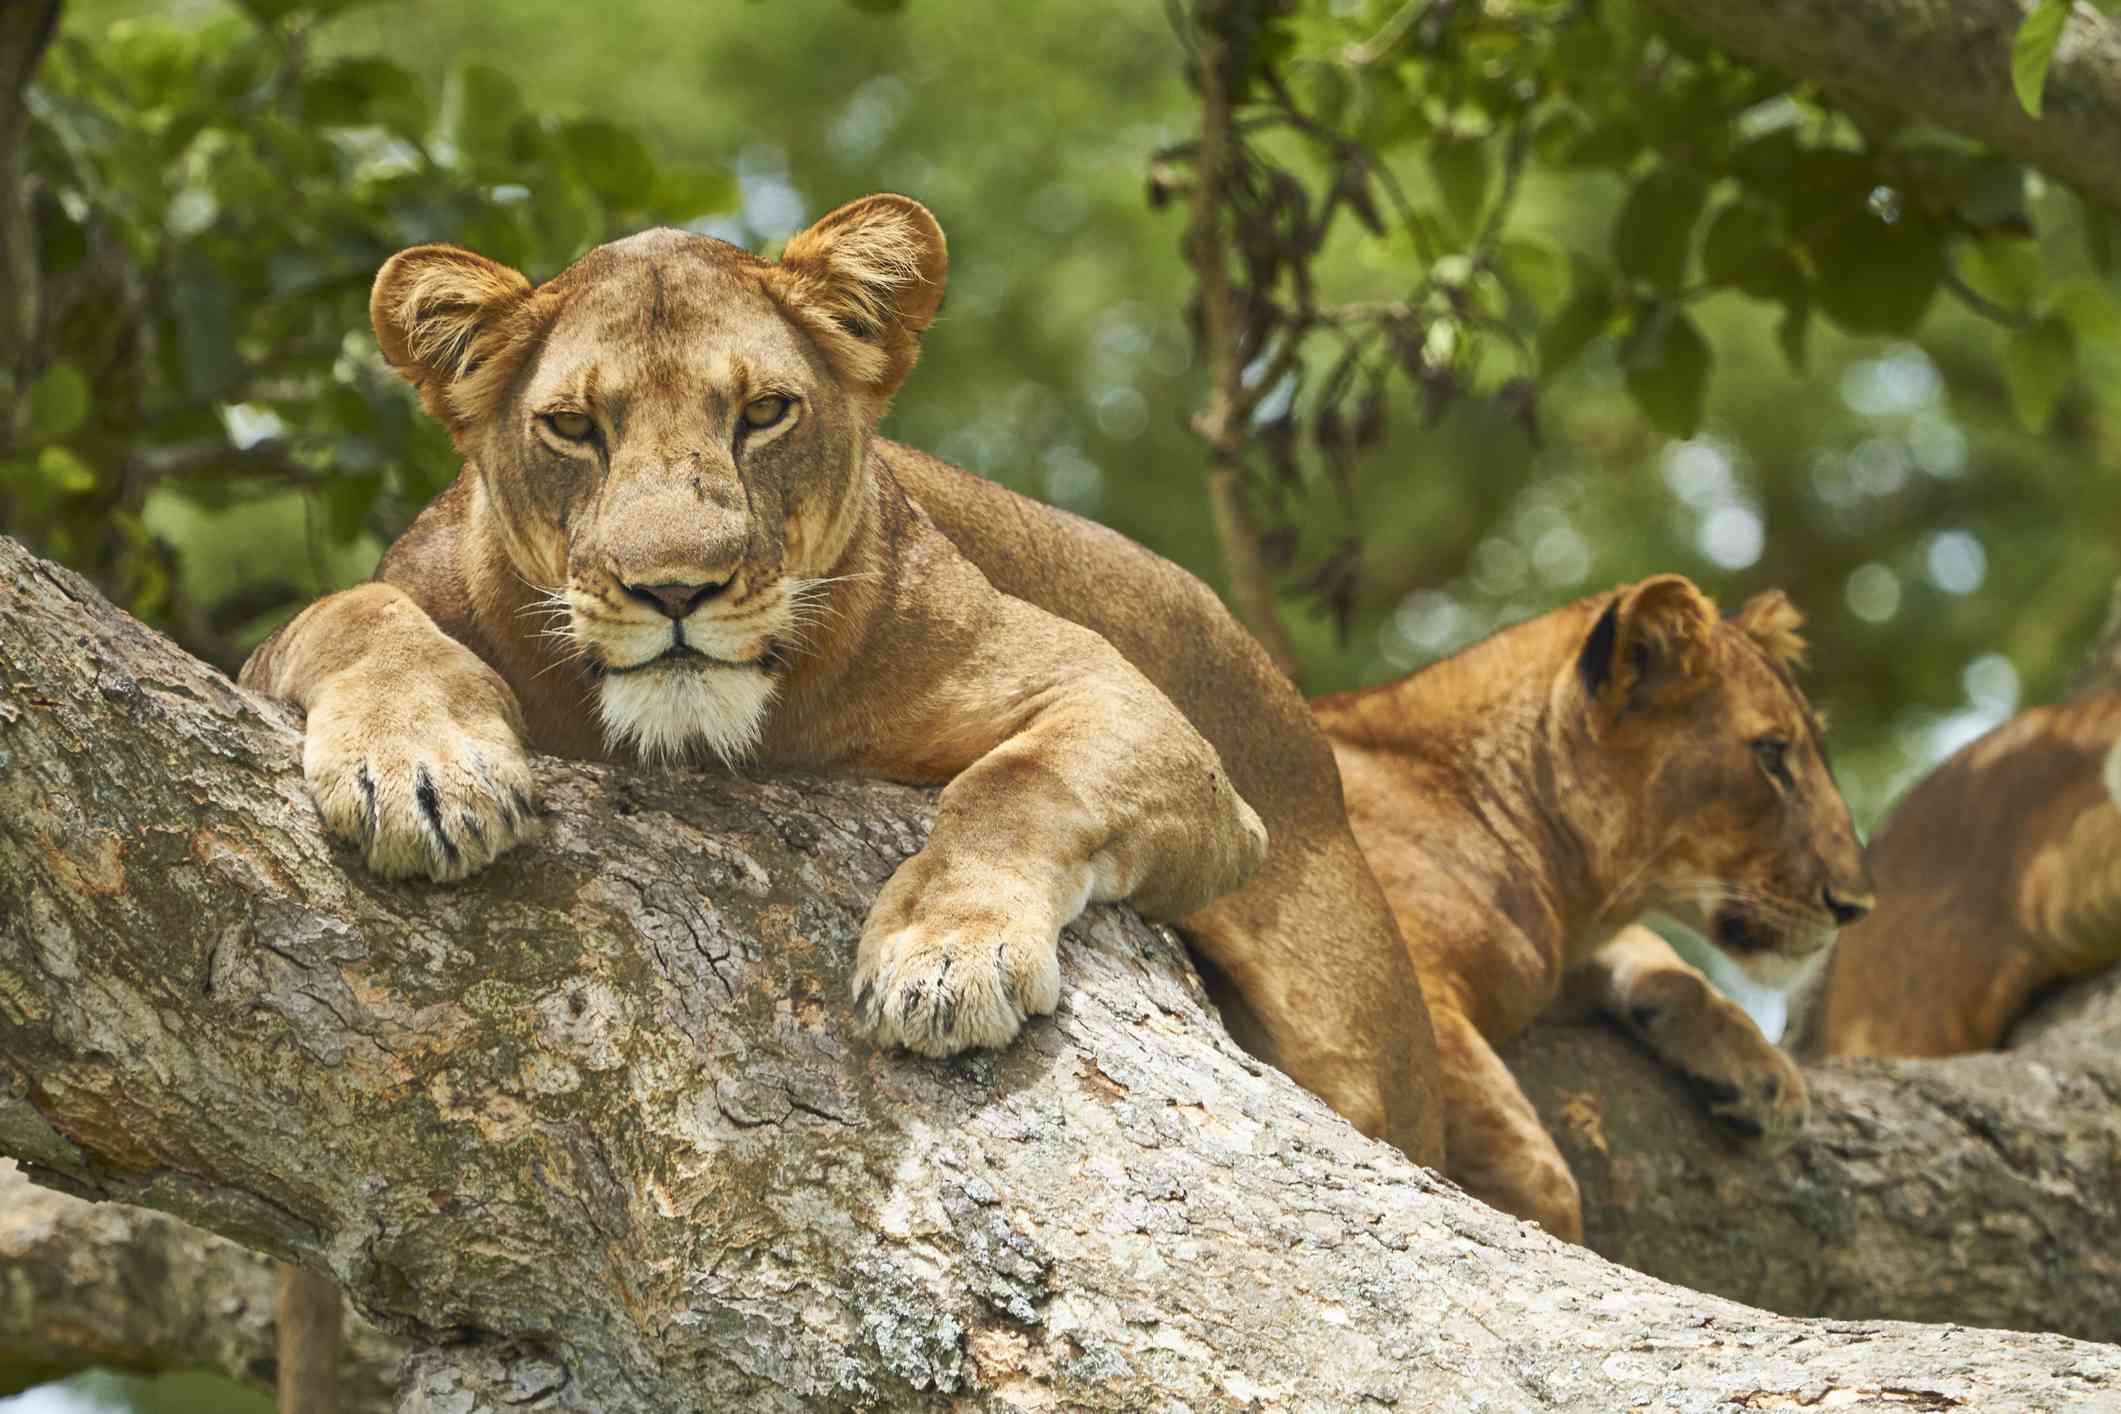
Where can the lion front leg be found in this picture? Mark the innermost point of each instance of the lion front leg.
(413, 749)
(1747, 1082)
(1104, 793)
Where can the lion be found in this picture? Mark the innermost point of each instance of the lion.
(1997, 878)
(1523, 802)
(677, 536)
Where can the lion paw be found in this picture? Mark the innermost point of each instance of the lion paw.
(939, 991)
(440, 801)
(1748, 1084)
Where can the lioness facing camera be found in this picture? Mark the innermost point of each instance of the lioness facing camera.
(676, 535)
(1524, 802)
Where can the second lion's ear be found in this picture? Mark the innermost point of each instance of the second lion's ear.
(867, 279)
(1650, 643)
(442, 315)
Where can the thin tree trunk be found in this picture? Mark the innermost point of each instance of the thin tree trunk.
(26, 29)
(592, 1132)
(1222, 424)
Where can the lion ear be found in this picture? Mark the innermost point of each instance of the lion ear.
(1650, 644)
(867, 279)
(442, 315)
(1772, 621)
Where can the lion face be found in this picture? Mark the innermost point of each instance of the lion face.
(671, 435)
(1749, 838)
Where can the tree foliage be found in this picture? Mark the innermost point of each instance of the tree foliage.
(208, 428)
(1393, 144)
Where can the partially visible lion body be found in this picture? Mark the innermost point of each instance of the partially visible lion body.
(1522, 803)
(1999, 875)
(676, 534)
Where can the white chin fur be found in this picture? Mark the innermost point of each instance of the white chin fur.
(662, 714)
(1780, 971)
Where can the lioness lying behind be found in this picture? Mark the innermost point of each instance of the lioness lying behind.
(1999, 875)
(676, 535)
(1523, 802)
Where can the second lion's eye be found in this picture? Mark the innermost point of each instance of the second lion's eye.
(764, 412)
(1773, 755)
(574, 426)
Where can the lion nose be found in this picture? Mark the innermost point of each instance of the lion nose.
(1847, 910)
(676, 598)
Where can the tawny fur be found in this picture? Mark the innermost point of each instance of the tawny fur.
(1099, 720)
(1524, 802)
(1999, 875)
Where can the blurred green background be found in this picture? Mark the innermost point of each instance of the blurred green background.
(1938, 501)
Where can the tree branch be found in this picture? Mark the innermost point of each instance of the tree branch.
(1946, 62)
(1983, 1189)
(592, 1131)
(1222, 424)
(102, 1284)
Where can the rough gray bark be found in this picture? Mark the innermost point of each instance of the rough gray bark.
(591, 1131)
(90, 1285)
(1946, 62)
(1982, 1189)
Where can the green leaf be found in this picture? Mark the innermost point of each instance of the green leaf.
(1581, 320)
(2089, 308)
(363, 91)
(2004, 270)
(1740, 238)
(2038, 362)
(65, 473)
(346, 501)
(58, 403)
(482, 106)
(1655, 228)
(1793, 332)
(567, 218)
(1535, 271)
(2034, 45)
(1460, 168)
(2099, 242)
(615, 163)
(1667, 366)
(688, 193)
(1877, 277)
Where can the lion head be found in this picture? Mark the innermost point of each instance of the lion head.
(670, 435)
(1698, 719)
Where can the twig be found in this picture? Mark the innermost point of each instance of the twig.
(1221, 425)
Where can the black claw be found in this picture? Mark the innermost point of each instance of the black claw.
(430, 800)
(865, 1001)
(1745, 1125)
(367, 784)
(1718, 1092)
(472, 826)
(946, 1017)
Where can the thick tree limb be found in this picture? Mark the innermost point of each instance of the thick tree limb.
(1982, 1189)
(103, 1284)
(592, 1131)
(1946, 62)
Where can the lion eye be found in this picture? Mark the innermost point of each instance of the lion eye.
(1773, 755)
(764, 412)
(574, 426)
